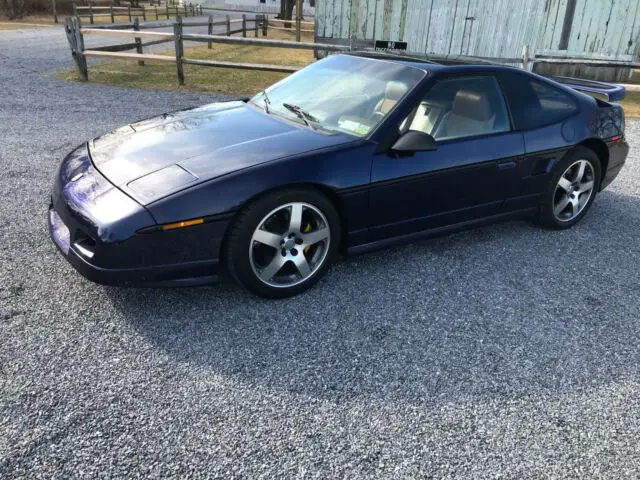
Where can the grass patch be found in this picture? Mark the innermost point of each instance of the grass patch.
(162, 76)
(30, 21)
(631, 104)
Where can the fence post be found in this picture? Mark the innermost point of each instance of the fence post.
(228, 26)
(177, 33)
(113, 20)
(256, 24)
(129, 13)
(298, 19)
(526, 61)
(210, 30)
(53, 10)
(144, 14)
(138, 40)
(91, 13)
(265, 24)
(185, 10)
(167, 4)
(156, 12)
(244, 25)
(75, 9)
(81, 60)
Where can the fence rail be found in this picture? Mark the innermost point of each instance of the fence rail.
(136, 31)
(525, 61)
(92, 12)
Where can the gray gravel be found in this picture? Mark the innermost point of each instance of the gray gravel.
(503, 352)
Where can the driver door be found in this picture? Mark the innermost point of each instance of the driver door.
(466, 178)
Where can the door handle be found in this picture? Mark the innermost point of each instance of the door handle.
(507, 165)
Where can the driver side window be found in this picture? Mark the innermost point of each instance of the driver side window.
(460, 107)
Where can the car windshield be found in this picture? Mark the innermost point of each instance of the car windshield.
(340, 93)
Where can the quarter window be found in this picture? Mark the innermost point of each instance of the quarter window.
(460, 107)
(536, 103)
(555, 104)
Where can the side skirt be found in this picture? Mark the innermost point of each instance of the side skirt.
(435, 232)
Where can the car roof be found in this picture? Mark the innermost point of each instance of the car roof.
(432, 67)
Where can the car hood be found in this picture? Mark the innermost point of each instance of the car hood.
(154, 158)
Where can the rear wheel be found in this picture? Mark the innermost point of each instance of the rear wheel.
(282, 243)
(572, 189)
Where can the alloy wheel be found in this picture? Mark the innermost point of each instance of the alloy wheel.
(289, 245)
(574, 190)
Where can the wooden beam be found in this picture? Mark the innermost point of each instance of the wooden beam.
(264, 42)
(292, 30)
(586, 61)
(92, 15)
(138, 41)
(133, 9)
(82, 61)
(242, 66)
(179, 49)
(298, 19)
(126, 33)
(290, 21)
(129, 56)
(116, 48)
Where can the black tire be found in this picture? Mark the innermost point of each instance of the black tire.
(547, 218)
(238, 244)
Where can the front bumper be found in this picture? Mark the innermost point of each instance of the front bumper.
(96, 227)
(185, 274)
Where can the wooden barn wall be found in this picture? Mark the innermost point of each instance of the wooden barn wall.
(445, 27)
(593, 29)
(491, 28)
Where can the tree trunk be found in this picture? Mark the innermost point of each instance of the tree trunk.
(13, 8)
(286, 9)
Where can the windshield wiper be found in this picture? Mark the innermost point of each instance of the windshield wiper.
(266, 100)
(303, 115)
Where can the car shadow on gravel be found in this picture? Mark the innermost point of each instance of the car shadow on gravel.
(506, 310)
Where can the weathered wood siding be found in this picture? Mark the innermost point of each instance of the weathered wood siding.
(600, 28)
(592, 29)
(488, 28)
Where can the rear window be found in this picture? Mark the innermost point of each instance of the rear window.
(535, 103)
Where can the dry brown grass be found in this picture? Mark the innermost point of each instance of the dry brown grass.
(631, 104)
(30, 21)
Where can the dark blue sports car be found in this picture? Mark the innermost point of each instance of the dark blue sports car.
(352, 153)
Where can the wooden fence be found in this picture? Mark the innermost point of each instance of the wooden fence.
(137, 31)
(295, 25)
(157, 12)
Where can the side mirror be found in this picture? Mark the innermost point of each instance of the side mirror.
(414, 141)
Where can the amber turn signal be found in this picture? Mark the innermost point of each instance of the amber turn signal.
(186, 223)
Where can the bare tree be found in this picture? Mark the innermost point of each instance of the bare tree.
(14, 8)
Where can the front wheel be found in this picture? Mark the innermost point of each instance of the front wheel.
(282, 243)
(572, 189)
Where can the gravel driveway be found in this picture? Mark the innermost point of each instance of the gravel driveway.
(506, 351)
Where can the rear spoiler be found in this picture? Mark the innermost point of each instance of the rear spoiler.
(613, 92)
